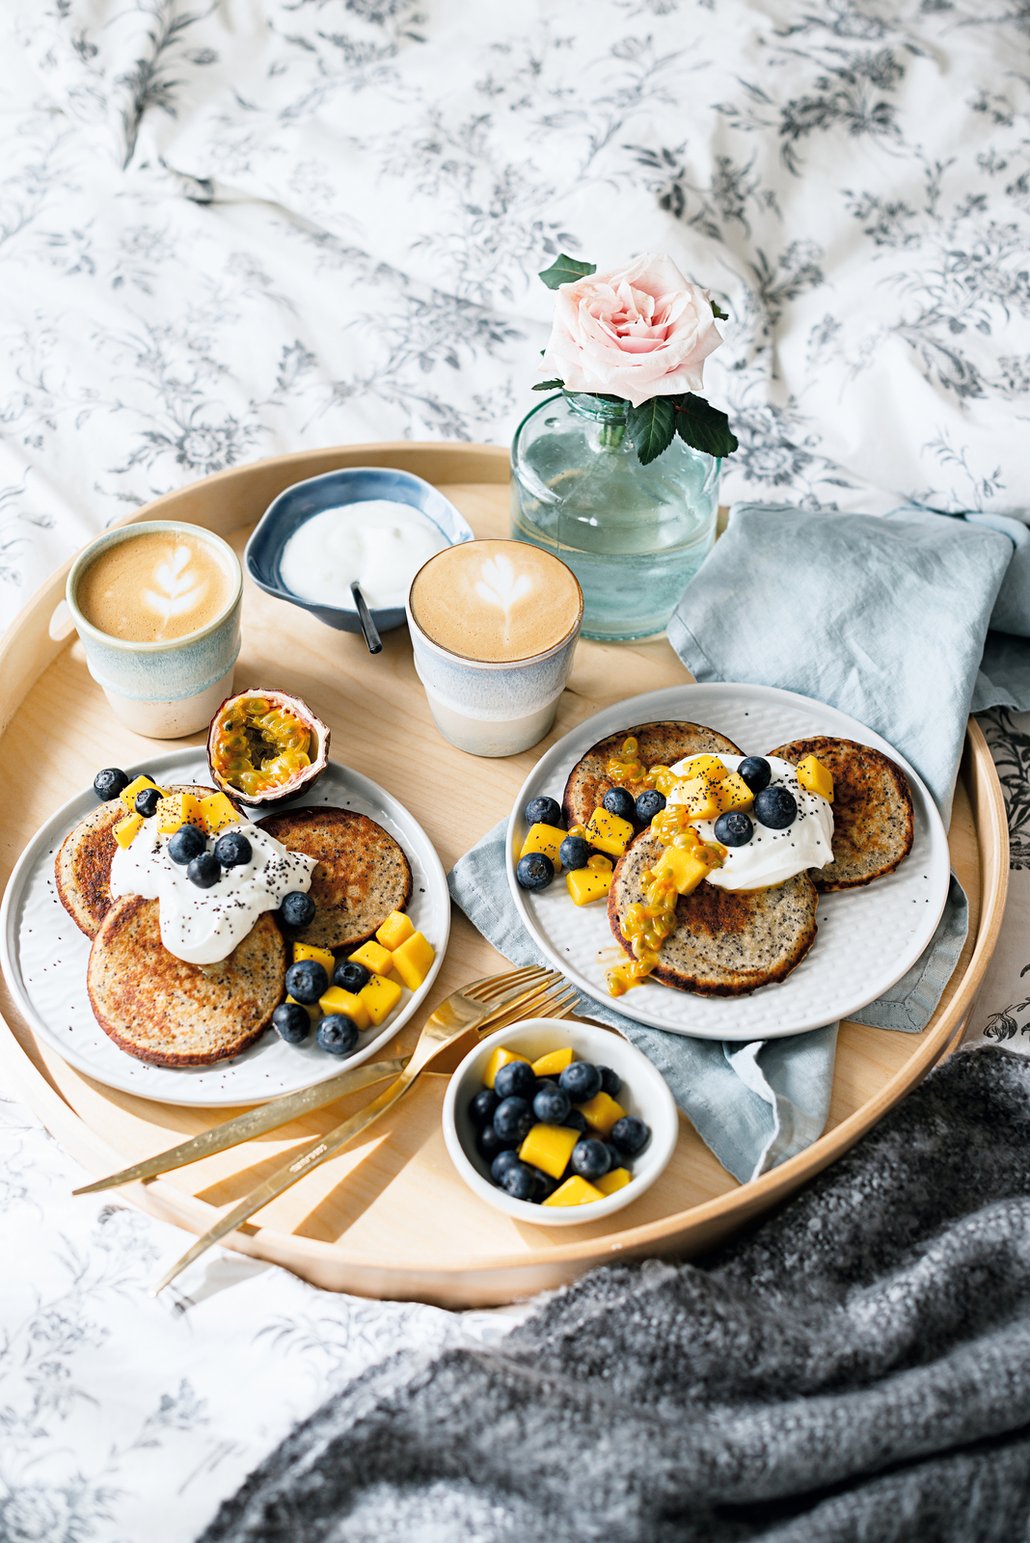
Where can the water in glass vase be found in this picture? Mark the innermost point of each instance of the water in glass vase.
(633, 535)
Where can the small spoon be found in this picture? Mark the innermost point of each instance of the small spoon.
(368, 626)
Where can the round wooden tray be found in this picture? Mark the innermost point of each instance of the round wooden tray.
(390, 1218)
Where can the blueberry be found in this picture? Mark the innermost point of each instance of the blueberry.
(490, 1143)
(629, 1135)
(649, 803)
(481, 1108)
(534, 871)
(519, 1181)
(109, 782)
(502, 1162)
(542, 811)
(620, 801)
(551, 1106)
(611, 1082)
(296, 909)
(203, 871)
(337, 1034)
(515, 1079)
(575, 1120)
(351, 975)
(513, 1119)
(147, 800)
(574, 852)
(580, 1081)
(756, 772)
(734, 829)
(187, 843)
(306, 980)
(590, 1158)
(775, 807)
(615, 1158)
(291, 1022)
(233, 849)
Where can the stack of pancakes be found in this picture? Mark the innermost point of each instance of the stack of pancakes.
(164, 1010)
(729, 942)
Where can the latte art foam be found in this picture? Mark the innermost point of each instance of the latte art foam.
(153, 587)
(495, 601)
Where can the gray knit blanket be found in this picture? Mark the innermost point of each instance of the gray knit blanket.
(856, 1368)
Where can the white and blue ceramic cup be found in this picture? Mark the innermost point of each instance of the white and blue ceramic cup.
(489, 708)
(165, 689)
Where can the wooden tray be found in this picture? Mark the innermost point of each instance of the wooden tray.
(390, 1218)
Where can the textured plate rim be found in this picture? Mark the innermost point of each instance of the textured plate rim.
(53, 830)
(643, 708)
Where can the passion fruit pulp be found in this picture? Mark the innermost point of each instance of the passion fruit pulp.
(264, 746)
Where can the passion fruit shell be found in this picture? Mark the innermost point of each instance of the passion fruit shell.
(266, 746)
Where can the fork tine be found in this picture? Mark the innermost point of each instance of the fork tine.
(547, 1004)
(494, 985)
(509, 1003)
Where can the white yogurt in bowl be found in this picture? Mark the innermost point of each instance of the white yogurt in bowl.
(377, 542)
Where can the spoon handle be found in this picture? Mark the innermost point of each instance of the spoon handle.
(368, 626)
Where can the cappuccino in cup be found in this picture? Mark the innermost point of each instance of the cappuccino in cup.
(494, 627)
(154, 588)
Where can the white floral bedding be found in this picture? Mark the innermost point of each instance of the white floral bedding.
(229, 229)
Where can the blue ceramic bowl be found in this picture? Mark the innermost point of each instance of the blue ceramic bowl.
(350, 485)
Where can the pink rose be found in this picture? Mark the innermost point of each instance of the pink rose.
(633, 332)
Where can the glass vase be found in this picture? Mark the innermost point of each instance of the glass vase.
(633, 535)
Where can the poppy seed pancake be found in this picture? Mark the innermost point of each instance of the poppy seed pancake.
(82, 867)
(362, 873)
(726, 942)
(660, 744)
(873, 816)
(163, 1010)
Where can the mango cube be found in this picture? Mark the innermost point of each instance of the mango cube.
(336, 1000)
(575, 1191)
(587, 884)
(609, 833)
(734, 793)
(309, 951)
(128, 795)
(615, 1178)
(549, 1147)
(396, 929)
(700, 797)
(816, 777)
(707, 766)
(126, 831)
(380, 997)
(554, 1062)
(413, 960)
(498, 1058)
(376, 959)
(217, 812)
(601, 1112)
(683, 867)
(546, 839)
(176, 809)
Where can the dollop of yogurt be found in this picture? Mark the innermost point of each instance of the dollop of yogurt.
(203, 926)
(380, 543)
(771, 856)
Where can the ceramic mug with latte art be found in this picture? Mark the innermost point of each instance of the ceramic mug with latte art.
(157, 607)
(493, 627)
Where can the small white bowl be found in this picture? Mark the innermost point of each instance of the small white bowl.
(644, 1093)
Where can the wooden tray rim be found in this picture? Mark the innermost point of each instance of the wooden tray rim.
(316, 1258)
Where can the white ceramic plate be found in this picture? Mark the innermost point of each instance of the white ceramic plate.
(43, 955)
(867, 937)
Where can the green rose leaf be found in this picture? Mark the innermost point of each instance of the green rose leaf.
(652, 426)
(565, 270)
(703, 426)
(548, 385)
(718, 312)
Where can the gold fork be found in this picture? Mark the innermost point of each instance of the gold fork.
(291, 1106)
(454, 1025)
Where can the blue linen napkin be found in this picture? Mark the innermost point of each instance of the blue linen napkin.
(885, 619)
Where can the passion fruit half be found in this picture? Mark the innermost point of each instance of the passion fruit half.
(266, 746)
